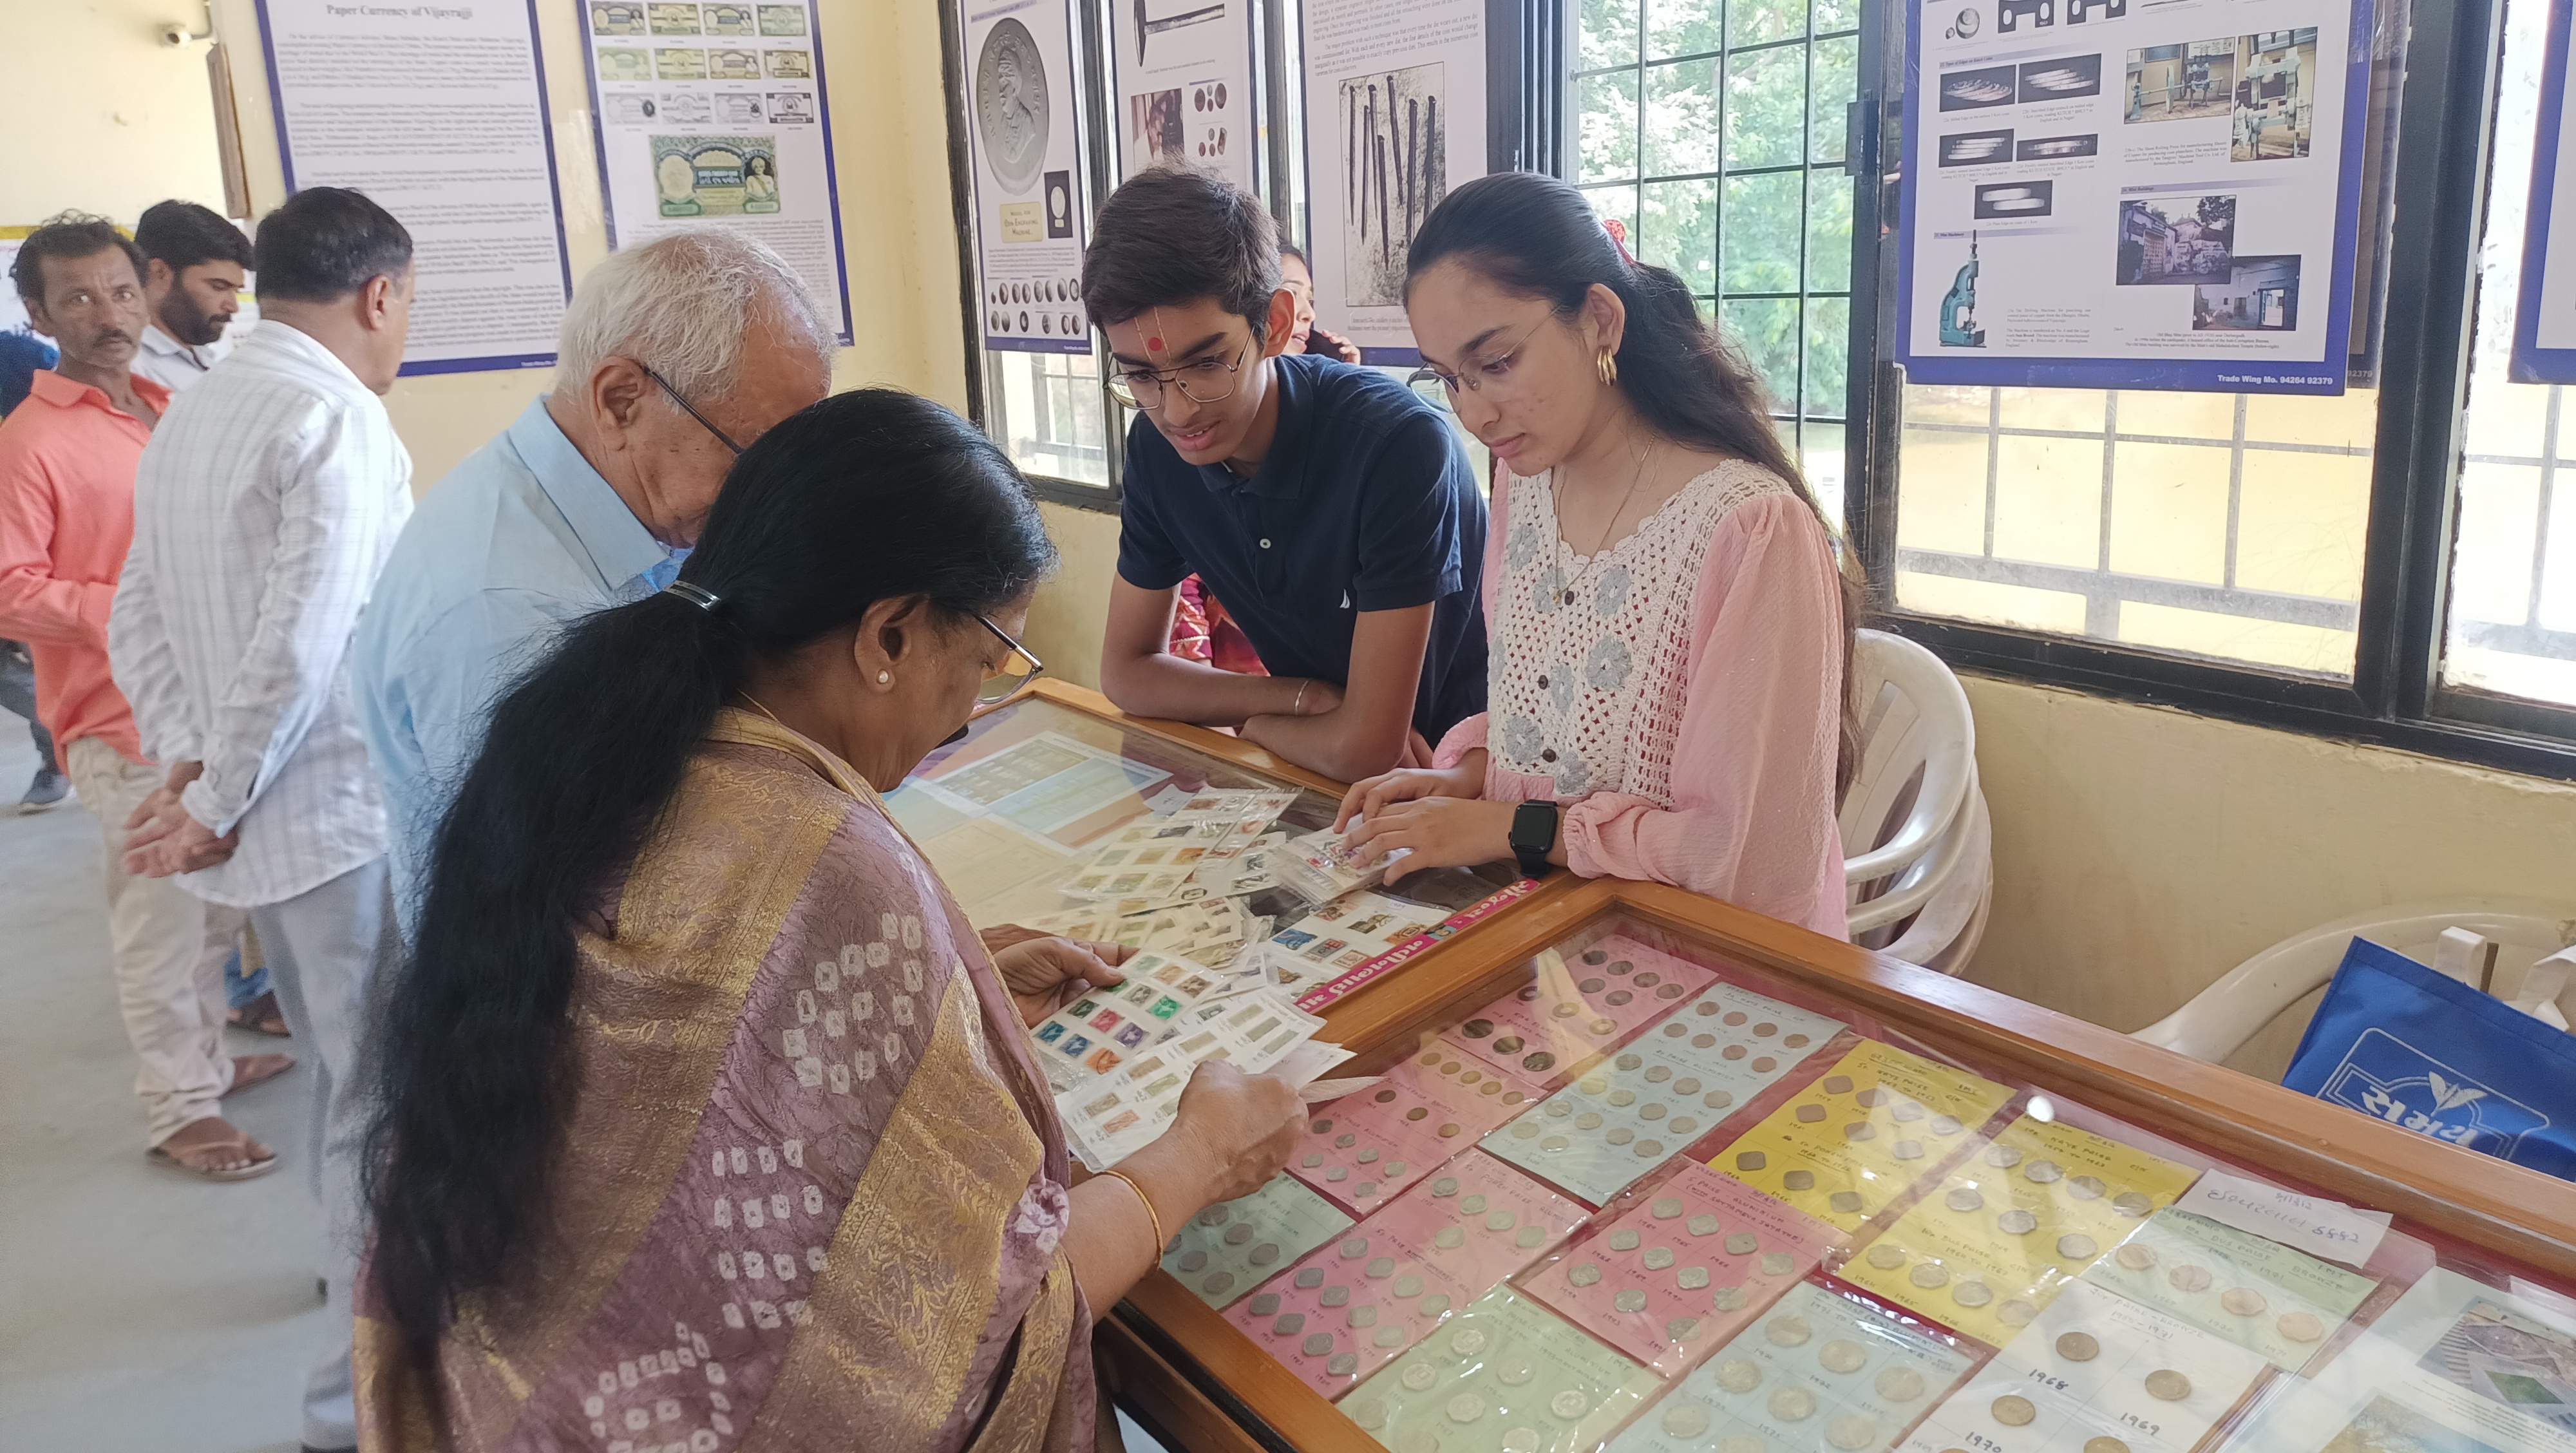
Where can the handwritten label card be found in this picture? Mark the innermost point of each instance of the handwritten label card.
(2313, 1224)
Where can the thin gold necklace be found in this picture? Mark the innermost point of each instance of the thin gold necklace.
(765, 711)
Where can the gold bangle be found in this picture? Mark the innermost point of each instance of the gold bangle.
(1147, 1202)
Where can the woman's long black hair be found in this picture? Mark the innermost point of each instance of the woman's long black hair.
(866, 496)
(1537, 237)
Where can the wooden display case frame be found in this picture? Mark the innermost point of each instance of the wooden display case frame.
(1180, 1362)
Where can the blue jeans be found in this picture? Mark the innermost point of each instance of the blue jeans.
(18, 694)
(239, 991)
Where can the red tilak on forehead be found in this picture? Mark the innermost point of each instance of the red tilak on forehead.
(1154, 344)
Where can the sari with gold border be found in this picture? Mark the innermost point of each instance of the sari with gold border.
(812, 1194)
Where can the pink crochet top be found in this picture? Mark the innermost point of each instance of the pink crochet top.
(1680, 692)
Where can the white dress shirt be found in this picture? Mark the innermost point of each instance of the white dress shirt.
(175, 365)
(263, 511)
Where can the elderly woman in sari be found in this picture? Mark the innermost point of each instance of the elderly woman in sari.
(706, 1122)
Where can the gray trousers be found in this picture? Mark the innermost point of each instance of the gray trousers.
(18, 694)
(324, 948)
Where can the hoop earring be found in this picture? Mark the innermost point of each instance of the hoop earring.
(1607, 367)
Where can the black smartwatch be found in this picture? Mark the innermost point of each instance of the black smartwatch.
(1534, 837)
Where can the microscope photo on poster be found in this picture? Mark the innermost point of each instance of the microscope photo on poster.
(1026, 159)
(1395, 116)
(2544, 325)
(1184, 74)
(2157, 198)
(714, 115)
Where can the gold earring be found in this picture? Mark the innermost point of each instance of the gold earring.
(1608, 367)
(884, 676)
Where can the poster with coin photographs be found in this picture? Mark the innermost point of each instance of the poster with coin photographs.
(2135, 194)
(713, 115)
(1395, 117)
(2544, 323)
(1023, 133)
(1184, 85)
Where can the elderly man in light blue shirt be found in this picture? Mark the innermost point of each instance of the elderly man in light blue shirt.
(674, 357)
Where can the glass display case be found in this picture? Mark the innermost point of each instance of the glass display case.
(1041, 786)
(1642, 1171)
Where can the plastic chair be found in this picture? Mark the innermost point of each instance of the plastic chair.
(2221, 1018)
(1917, 771)
(1944, 934)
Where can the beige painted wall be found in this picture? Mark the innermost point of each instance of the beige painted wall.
(102, 117)
(125, 121)
(2140, 853)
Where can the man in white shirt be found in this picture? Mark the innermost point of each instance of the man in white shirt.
(263, 511)
(195, 263)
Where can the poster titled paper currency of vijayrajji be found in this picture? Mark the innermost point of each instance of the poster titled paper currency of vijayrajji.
(713, 113)
(439, 114)
(1023, 131)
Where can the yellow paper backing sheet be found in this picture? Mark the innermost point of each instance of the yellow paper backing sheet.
(1850, 1142)
(1986, 1280)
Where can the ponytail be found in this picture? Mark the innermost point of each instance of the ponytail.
(1536, 236)
(863, 497)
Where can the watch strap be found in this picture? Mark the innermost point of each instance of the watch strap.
(1533, 836)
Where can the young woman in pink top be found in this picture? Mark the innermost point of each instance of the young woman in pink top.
(1670, 629)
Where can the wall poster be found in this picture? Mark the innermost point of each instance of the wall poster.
(438, 113)
(1395, 117)
(2169, 191)
(1023, 133)
(2544, 323)
(715, 115)
(1184, 85)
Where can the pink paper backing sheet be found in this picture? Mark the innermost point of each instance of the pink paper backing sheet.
(1450, 1088)
(1332, 1347)
(1646, 1333)
(1549, 1028)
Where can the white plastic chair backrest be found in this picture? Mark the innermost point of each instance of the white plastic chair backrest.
(2221, 1018)
(1918, 754)
(1951, 918)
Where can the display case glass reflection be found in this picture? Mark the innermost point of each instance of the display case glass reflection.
(1038, 788)
(1634, 1194)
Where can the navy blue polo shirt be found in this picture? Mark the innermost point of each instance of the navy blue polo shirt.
(1363, 502)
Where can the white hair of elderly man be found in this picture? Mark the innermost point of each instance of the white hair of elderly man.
(682, 304)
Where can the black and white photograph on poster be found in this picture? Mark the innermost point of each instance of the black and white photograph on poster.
(1394, 107)
(1059, 204)
(2058, 148)
(1976, 148)
(2182, 82)
(730, 137)
(2012, 15)
(2065, 78)
(2013, 201)
(1978, 90)
(1183, 71)
(1011, 113)
(2276, 86)
(2260, 295)
(1025, 144)
(1392, 173)
(2165, 240)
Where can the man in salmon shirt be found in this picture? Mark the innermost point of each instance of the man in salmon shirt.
(67, 462)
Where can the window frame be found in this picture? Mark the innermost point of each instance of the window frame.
(2395, 696)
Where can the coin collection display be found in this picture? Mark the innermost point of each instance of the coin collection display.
(1632, 1204)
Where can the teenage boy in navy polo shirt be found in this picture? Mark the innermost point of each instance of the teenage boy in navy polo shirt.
(1327, 506)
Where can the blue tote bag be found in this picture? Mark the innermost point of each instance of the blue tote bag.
(2403, 1044)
